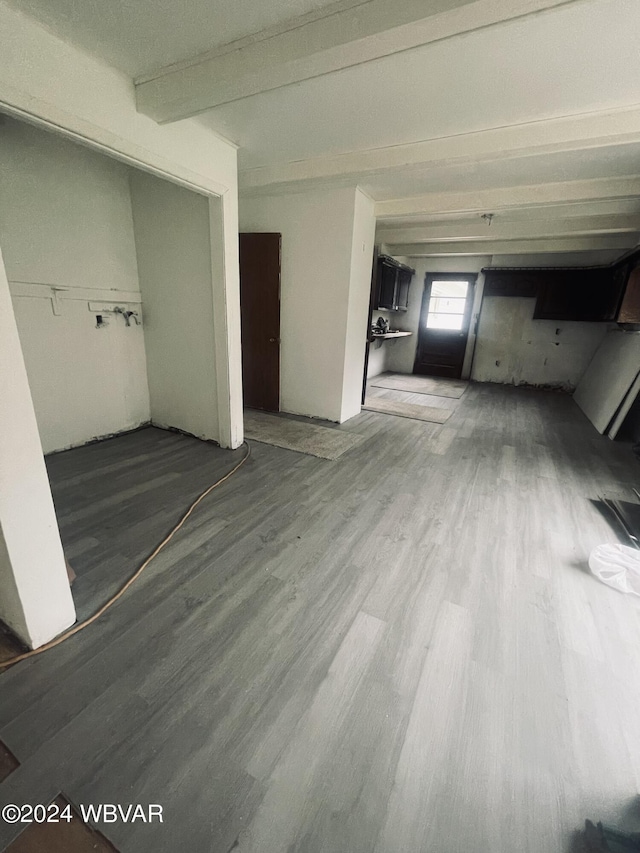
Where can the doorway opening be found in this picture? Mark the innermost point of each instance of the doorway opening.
(444, 324)
(89, 365)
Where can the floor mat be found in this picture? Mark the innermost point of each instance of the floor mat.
(307, 438)
(407, 410)
(433, 385)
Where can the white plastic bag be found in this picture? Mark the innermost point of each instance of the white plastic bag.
(617, 566)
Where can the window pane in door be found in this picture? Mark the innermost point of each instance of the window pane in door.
(445, 321)
(447, 305)
(450, 288)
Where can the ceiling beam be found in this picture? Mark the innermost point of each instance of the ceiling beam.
(514, 247)
(509, 230)
(310, 46)
(492, 200)
(581, 132)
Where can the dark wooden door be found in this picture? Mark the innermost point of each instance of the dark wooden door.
(444, 324)
(260, 310)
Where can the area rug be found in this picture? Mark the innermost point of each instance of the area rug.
(302, 437)
(421, 384)
(407, 410)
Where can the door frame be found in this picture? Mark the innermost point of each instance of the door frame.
(372, 300)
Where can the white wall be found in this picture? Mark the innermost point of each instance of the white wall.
(86, 382)
(364, 226)
(35, 601)
(319, 316)
(65, 212)
(172, 234)
(65, 222)
(513, 348)
(377, 357)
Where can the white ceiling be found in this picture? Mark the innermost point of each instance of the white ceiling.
(620, 207)
(534, 116)
(138, 36)
(572, 60)
(502, 172)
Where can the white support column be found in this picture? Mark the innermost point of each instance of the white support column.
(478, 293)
(223, 219)
(35, 599)
(364, 226)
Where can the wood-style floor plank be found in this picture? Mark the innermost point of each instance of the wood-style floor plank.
(399, 650)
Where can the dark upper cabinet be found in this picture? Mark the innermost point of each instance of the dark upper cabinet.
(513, 282)
(387, 275)
(402, 288)
(586, 295)
(570, 293)
(394, 280)
(574, 293)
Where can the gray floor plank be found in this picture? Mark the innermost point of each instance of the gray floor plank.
(398, 650)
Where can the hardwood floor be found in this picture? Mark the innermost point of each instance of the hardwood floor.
(401, 650)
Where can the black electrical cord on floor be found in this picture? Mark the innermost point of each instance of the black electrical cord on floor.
(134, 576)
